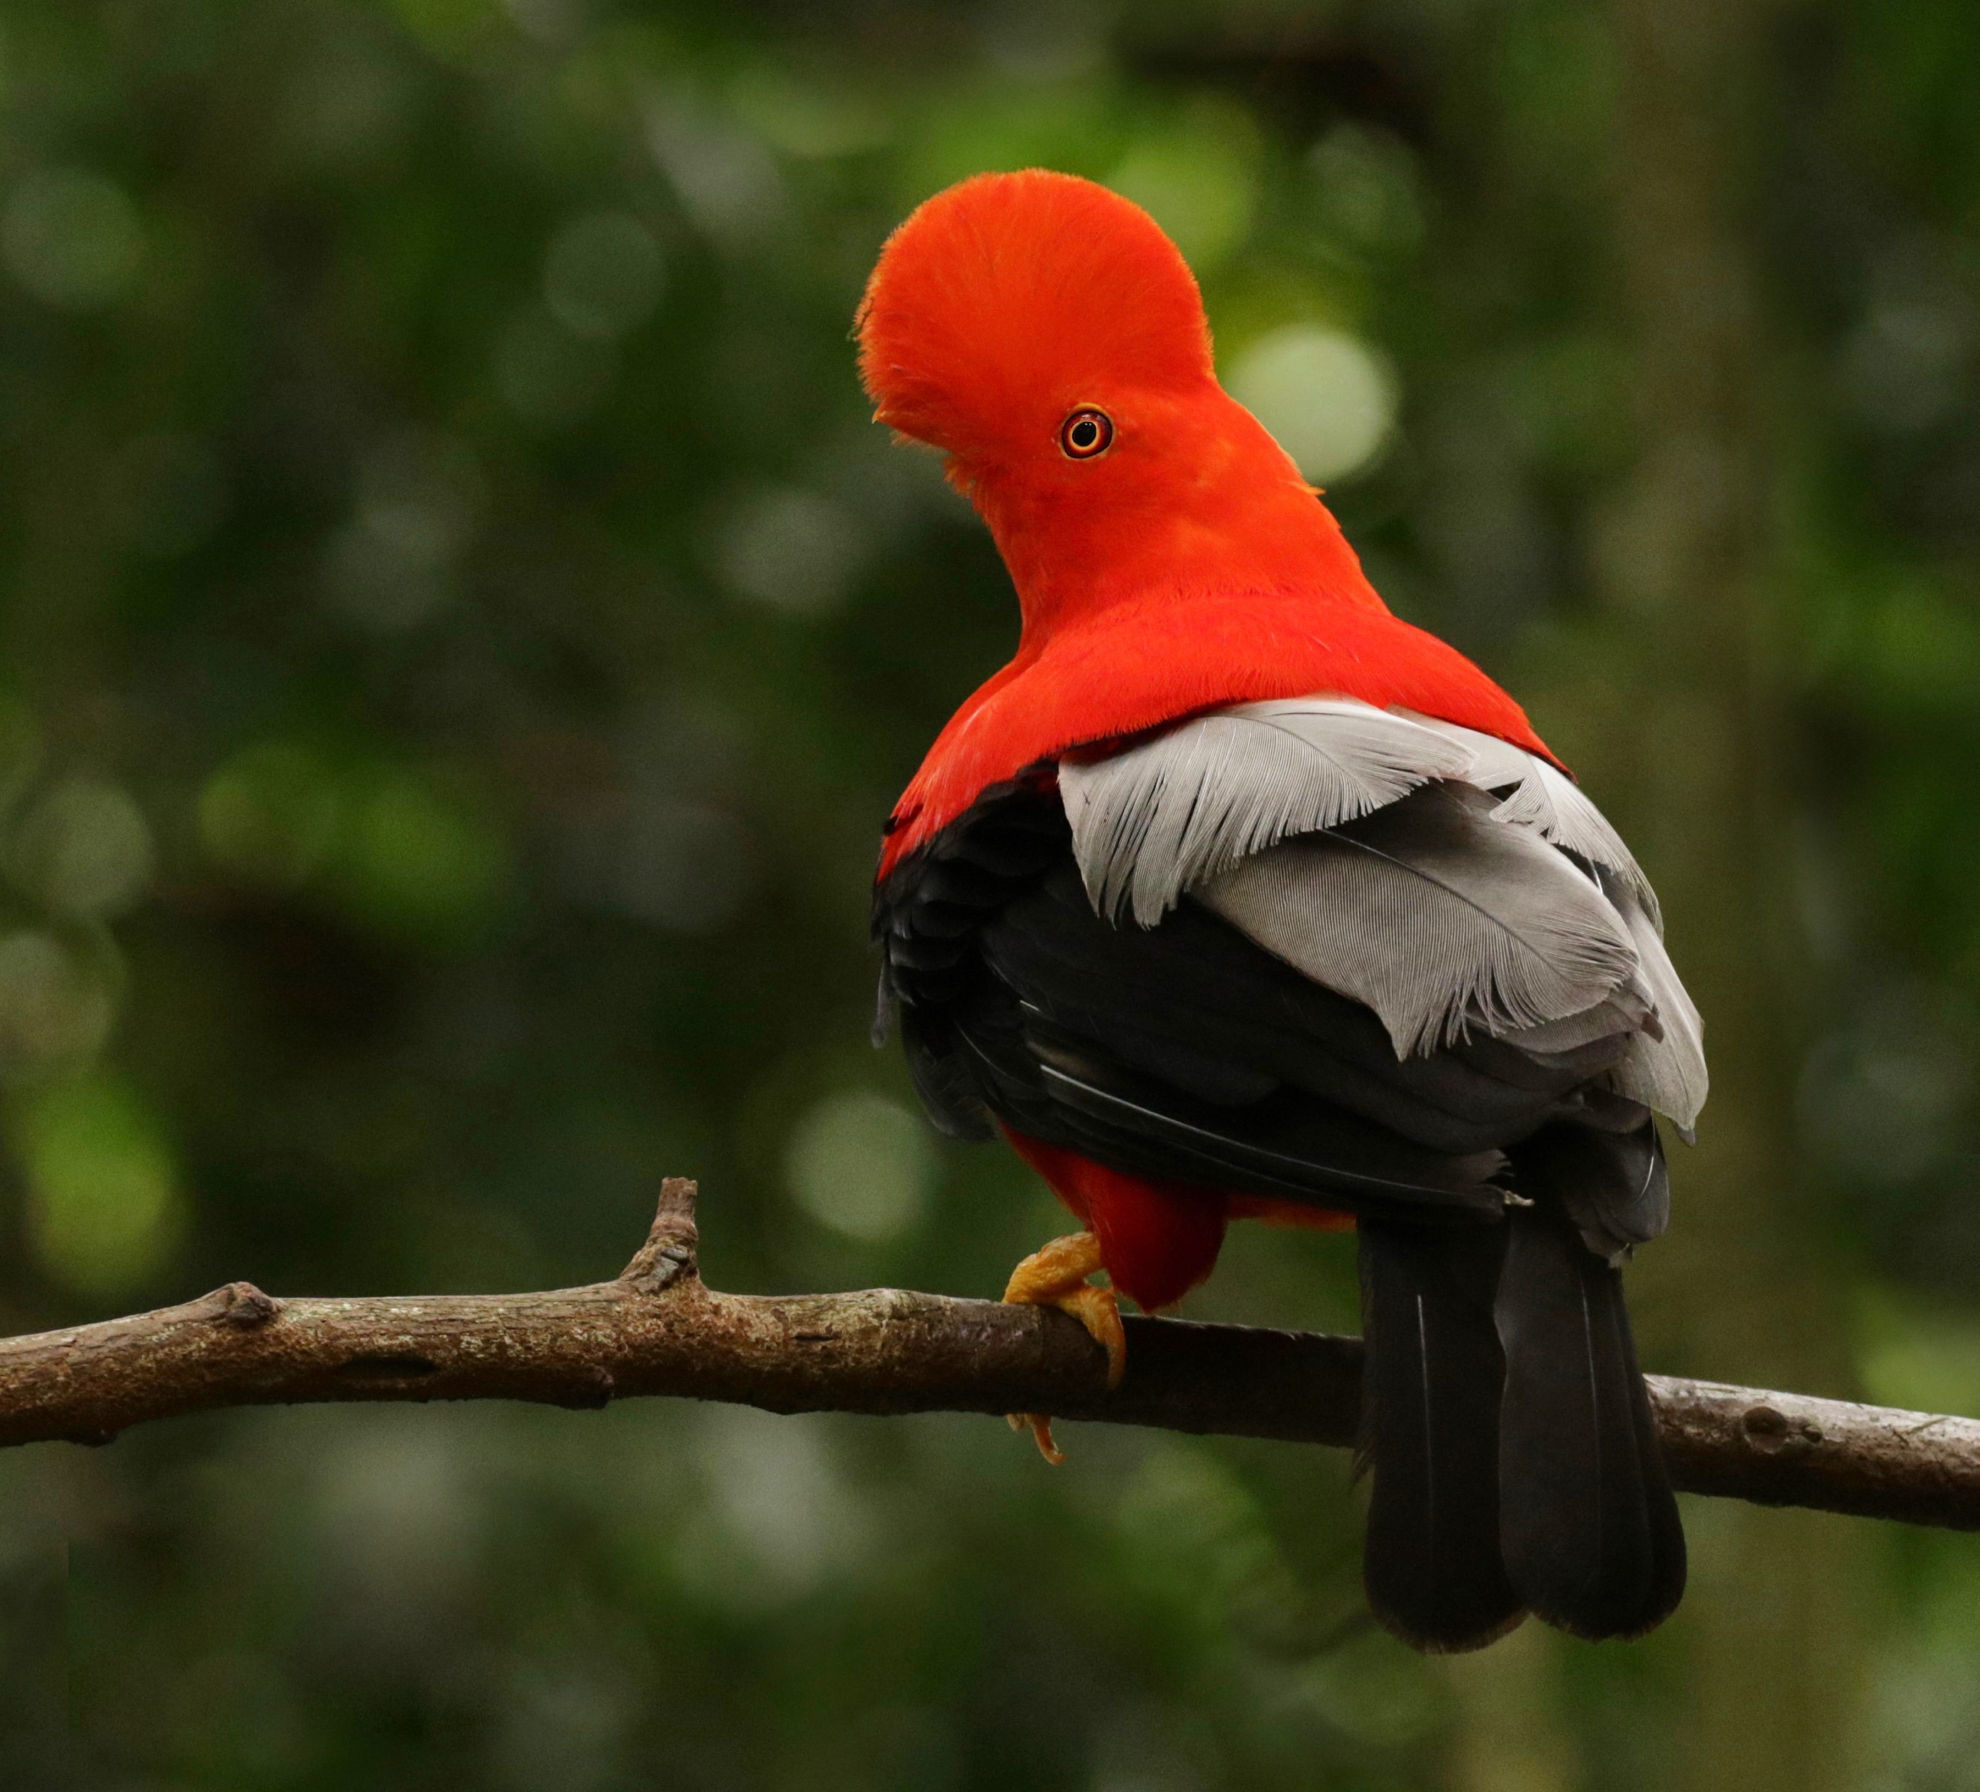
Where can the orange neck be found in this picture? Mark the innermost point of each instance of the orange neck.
(1234, 518)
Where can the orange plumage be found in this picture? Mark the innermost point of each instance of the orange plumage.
(1193, 566)
(1233, 896)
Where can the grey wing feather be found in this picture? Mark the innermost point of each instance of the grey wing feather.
(1436, 917)
(1207, 806)
(1668, 1072)
(1544, 798)
(1623, 1013)
(1161, 817)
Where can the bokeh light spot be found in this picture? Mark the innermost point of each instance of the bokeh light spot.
(20, 749)
(347, 105)
(1325, 395)
(51, 1006)
(421, 861)
(804, 120)
(548, 376)
(1367, 187)
(422, 493)
(450, 27)
(419, 501)
(790, 549)
(1902, 368)
(1924, 1359)
(1198, 180)
(1193, 1532)
(270, 813)
(728, 180)
(71, 237)
(104, 1211)
(684, 867)
(863, 1165)
(602, 275)
(84, 849)
(782, 1518)
(369, 579)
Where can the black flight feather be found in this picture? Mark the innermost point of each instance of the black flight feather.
(1514, 1456)
(1589, 1524)
(1429, 1415)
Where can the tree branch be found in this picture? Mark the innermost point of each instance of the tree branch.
(657, 1329)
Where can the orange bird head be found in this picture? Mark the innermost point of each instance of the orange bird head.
(1168, 556)
(1006, 302)
(1049, 338)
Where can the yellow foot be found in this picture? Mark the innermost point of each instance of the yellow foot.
(1056, 1277)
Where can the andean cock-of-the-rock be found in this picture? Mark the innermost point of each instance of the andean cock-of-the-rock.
(1233, 896)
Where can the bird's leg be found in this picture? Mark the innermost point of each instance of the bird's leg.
(1056, 1277)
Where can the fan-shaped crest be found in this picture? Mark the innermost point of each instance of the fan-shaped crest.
(1008, 297)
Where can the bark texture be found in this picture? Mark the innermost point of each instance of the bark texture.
(657, 1329)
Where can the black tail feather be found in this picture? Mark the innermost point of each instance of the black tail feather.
(1430, 1403)
(1590, 1526)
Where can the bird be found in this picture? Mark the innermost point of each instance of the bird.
(1234, 896)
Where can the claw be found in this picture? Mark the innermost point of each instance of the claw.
(1056, 1277)
(1100, 1312)
(1040, 1427)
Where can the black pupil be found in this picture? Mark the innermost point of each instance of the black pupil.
(1085, 435)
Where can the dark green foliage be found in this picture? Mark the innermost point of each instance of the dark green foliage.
(460, 636)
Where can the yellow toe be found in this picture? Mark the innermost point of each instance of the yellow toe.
(1056, 1277)
(1100, 1312)
(1040, 1427)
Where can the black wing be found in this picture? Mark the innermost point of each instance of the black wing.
(1515, 1461)
(1183, 1049)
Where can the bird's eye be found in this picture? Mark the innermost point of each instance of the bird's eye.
(1085, 434)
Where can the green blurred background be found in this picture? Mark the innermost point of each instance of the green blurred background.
(459, 638)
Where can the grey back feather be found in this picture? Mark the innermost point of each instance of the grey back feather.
(1435, 916)
(1664, 1070)
(1446, 910)
(1158, 819)
(1544, 798)
(1624, 1012)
